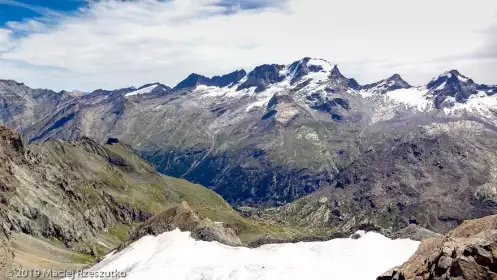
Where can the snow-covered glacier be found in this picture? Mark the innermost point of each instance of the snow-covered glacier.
(176, 256)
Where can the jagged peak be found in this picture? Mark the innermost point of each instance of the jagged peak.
(395, 77)
(11, 82)
(335, 73)
(450, 79)
(194, 80)
(398, 79)
(452, 75)
(391, 83)
(195, 75)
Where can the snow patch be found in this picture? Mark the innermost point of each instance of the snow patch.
(141, 91)
(462, 79)
(441, 86)
(257, 104)
(411, 97)
(480, 104)
(176, 256)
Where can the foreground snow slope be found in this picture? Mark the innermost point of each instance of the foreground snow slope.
(175, 255)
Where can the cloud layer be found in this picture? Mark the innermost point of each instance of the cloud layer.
(113, 44)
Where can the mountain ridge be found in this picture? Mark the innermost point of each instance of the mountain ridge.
(303, 132)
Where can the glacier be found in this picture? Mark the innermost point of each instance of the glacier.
(175, 256)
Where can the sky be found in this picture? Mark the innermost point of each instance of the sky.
(90, 44)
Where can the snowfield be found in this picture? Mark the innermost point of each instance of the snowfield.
(176, 256)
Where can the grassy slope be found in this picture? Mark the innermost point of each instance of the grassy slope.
(136, 184)
(206, 202)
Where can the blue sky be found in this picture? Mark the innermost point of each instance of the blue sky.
(115, 43)
(18, 10)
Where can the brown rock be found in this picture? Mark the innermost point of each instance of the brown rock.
(183, 217)
(468, 252)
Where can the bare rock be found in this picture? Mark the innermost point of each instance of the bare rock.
(467, 252)
(414, 232)
(183, 217)
(389, 274)
(6, 256)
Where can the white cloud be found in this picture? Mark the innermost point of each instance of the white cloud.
(5, 41)
(120, 43)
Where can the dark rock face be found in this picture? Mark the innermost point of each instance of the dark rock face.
(228, 79)
(300, 68)
(489, 90)
(263, 76)
(353, 84)
(192, 80)
(467, 252)
(332, 103)
(334, 107)
(451, 84)
(220, 81)
(339, 82)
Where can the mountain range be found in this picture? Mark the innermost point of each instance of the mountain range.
(314, 146)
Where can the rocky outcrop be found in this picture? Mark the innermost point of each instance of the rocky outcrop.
(263, 76)
(413, 232)
(467, 252)
(185, 218)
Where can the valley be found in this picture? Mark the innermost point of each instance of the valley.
(280, 154)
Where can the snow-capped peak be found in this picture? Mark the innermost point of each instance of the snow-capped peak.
(392, 83)
(308, 68)
(325, 65)
(453, 74)
(451, 87)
